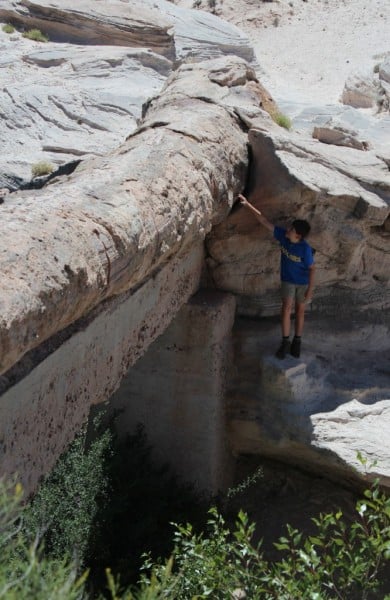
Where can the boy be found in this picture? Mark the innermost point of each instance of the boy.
(296, 274)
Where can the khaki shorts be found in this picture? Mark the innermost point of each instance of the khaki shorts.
(291, 290)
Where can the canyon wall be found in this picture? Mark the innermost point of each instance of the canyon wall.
(97, 264)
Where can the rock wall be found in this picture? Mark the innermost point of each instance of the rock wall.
(177, 390)
(343, 192)
(81, 93)
(52, 389)
(115, 220)
(96, 265)
(318, 412)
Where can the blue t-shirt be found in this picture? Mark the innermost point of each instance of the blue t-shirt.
(295, 259)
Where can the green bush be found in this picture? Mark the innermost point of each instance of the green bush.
(36, 35)
(340, 561)
(65, 507)
(25, 574)
(41, 168)
(7, 28)
(106, 503)
(282, 120)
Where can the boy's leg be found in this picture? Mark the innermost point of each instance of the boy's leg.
(286, 315)
(300, 306)
(299, 318)
(287, 303)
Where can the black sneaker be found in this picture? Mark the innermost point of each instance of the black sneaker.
(283, 349)
(295, 349)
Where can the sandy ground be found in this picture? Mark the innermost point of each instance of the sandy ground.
(306, 49)
(308, 56)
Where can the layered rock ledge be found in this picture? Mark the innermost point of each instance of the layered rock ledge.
(81, 93)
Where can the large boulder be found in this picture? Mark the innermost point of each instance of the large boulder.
(339, 135)
(361, 91)
(370, 89)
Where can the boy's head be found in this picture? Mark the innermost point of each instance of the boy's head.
(301, 228)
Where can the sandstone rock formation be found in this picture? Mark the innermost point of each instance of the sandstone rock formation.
(343, 192)
(118, 218)
(81, 93)
(369, 90)
(321, 411)
(96, 265)
(332, 133)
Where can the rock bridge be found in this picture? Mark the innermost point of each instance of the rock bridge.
(135, 276)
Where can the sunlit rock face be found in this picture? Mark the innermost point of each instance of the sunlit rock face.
(97, 264)
(81, 93)
(344, 194)
(116, 219)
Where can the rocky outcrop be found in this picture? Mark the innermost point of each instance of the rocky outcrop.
(155, 24)
(95, 266)
(81, 94)
(338, 135)
(323, 411)
(117, 219)
(343, 192)
(83, 22)
(369, 90)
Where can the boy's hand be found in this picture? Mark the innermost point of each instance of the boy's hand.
(308, 296)
(242, 200)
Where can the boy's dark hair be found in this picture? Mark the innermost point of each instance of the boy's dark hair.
(302, 227)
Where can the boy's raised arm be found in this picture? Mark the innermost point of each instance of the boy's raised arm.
(259, 216)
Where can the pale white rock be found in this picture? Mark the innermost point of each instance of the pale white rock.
(338, 135)
(354, 429)
(62, 100)
(84, 22)
(155, 24)
(343, 192)
(370, 128)
(361, 91)
(384, 70)
(200, 35)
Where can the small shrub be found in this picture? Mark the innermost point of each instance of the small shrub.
(8, 28)
(340, 561)
(36, 35)
(66, 504)
(41, 168)
(24, 572)
(282, 120)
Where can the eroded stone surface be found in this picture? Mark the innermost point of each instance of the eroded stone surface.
(318, 411)
(177, 392)
(66, 248)
(49, 393)
(344, 193)
(81, 93)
